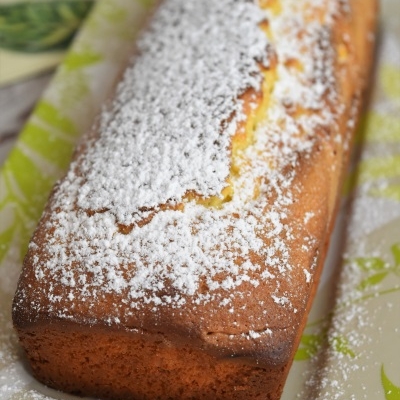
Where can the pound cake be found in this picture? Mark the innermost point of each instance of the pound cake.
(179, 256)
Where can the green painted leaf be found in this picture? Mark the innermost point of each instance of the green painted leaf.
(370, 263)
(392, 392)
(53, 117)
(309, 346)
(302, 354)
(373, 169)
(42, 25)
(30, 182)
(372, 280)
(376, 127)
(380, 167)
(76, 60)
(396, 254)
(54, 149)
(341, 345)
(391, 191)
(390, 79)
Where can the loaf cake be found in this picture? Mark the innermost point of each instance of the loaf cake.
(179, 256)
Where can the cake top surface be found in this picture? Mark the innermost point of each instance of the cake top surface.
(169, 129)
(169, 132)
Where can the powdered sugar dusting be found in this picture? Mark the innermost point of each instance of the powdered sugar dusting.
(194, 62)
(170, 132)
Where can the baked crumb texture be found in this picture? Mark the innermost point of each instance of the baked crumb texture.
(179, 256)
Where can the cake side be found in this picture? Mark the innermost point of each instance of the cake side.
(142, 365)
(225, 268)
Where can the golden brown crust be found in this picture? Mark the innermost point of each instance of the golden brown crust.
(201, 351)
